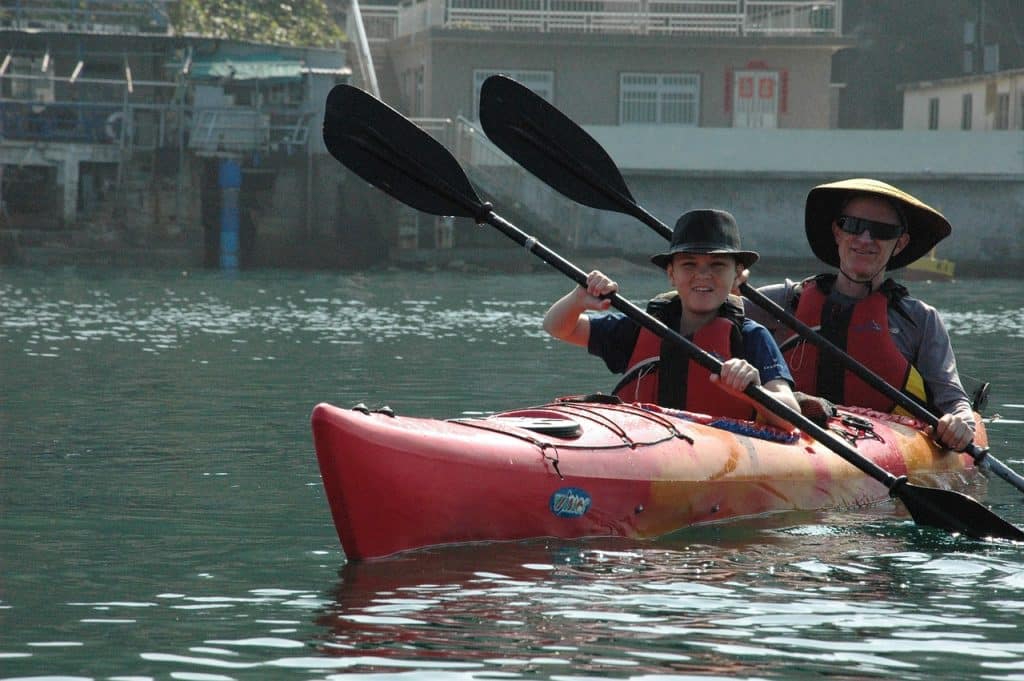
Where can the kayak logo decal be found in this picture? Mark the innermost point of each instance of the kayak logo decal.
(569, 502)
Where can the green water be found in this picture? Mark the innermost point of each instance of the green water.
(161, 515)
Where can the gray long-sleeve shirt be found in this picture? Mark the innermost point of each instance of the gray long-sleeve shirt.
(922, 339)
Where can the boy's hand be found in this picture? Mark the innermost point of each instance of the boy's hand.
(736, 375)
(598, 285)
(741, 278)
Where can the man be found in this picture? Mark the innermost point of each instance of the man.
(702, 264)
(865, 227)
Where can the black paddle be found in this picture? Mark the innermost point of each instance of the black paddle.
(390, 152)
(554, 148)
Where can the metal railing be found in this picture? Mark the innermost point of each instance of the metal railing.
(780, 17)
(61, 122)
(133, 125)
(92, 16)
(138, 126)
(653, 17)
(229, 130)
(496, 174)
(234, 130)
(380, 22)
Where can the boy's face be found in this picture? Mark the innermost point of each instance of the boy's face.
(702, 281)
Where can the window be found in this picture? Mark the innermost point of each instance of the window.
(659, 98)
(541, 82)
(966, 112)
(1002, 121)
(933, 113)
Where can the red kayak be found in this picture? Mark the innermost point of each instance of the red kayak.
(578, 468)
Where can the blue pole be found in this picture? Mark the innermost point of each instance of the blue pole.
(230, 180)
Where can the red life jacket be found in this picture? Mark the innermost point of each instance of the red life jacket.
(661, 372)
(862, 330)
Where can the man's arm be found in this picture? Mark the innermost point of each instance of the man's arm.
(935, 361)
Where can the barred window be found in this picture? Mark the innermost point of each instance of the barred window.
(659, 98)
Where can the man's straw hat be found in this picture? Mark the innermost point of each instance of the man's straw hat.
(925, 225)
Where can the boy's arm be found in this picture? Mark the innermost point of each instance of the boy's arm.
(566, 319)
(781, 391)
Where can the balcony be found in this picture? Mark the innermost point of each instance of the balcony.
(774, 18)
(86, 16)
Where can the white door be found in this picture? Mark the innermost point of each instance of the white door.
(756, 99)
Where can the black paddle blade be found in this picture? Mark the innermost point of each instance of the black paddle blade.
(387, 150)
(955, 512)
(547, 143)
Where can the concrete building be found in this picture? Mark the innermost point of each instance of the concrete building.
(617, 62)
(907, 41)
(982, 102)
(114, 128)
(120, 137)
(731, 104)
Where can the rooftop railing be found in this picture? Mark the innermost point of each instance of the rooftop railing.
(642, 17)
(86, 16)
(380, 22)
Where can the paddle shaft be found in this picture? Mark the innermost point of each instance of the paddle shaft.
(614, 193)
(944, 509)
(705, 359)
(403, 160)
(387, 150)
(980, 455)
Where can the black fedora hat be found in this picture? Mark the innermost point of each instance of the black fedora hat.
(925, 225)
(707, 232)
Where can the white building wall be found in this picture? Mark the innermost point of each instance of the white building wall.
(832, 153)
(984, 91)
(763, 176)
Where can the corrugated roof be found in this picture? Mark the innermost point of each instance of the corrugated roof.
(262, 67)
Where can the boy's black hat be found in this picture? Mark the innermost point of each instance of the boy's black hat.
(707, 231)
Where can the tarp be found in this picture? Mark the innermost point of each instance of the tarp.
(263, 67)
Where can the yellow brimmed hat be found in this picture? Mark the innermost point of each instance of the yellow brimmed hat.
(925, 225)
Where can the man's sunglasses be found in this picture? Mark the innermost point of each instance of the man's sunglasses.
(882, 231)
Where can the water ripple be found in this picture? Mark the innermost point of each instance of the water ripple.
(47, 327)
(163, 516)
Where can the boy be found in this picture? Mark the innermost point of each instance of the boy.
(702, 263)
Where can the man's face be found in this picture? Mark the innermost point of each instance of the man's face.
(862, 256)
